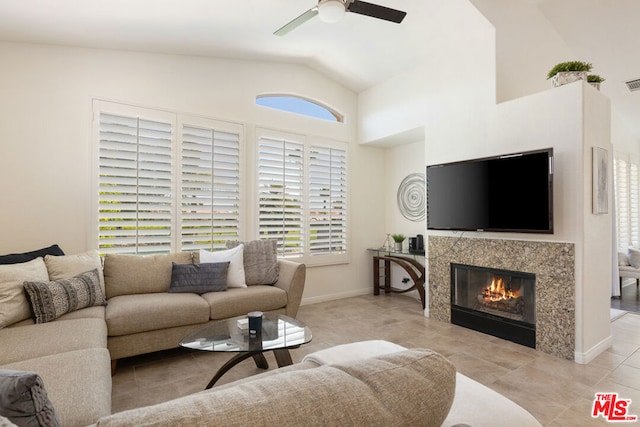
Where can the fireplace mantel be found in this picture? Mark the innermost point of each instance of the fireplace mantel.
(553, 264)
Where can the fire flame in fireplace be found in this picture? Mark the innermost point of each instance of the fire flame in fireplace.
(497, 291)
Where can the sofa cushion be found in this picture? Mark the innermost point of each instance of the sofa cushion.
(235, 257)
(68, 266)
(78, 383)
(95, 312)
(413, 387)
(260, 261)
(28, 342)
(634, 257)
(199, 278)
(14, 306)
(5, 422)
(352, 351)
(28, 256)
(23, 398)
(236, 302)
(130, 314)
(50, 300)
(140, 274)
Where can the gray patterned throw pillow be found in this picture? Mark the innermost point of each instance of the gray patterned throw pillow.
(24, 400)
(199, 278)
(50, 300)
(260, 261)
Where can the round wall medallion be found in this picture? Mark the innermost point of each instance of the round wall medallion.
(412, 197)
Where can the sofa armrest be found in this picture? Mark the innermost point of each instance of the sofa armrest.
(291, 279)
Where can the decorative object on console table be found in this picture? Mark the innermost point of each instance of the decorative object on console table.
(386, 246)
(600, 181)
(569, 72)
(398, 239)
(416, 244)
(412, 197)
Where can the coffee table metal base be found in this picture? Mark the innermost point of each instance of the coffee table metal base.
(282, 355)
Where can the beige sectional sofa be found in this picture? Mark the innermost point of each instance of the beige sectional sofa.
(75, 353)
(143, 317)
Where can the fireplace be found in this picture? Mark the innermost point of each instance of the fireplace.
(498, 302)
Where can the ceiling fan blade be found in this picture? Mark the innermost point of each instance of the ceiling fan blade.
(297, 22)
(376, 11)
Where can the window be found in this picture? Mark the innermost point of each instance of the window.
(165, 182)
(302, 195)
(210, 185)
(299, 105)
(627, 194)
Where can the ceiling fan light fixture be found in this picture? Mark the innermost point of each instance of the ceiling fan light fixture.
(331, 11)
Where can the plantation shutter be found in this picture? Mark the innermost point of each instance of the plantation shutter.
(621, 183)
(634, 205)
(135, 184)
(327, 200)
(281, 192)
(210, 184)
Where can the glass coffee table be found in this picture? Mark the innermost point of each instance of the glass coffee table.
(279, 334)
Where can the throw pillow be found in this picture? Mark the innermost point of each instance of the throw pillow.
(50, 300)
(28, 256)
(199, 278)
(634, 257)
(68, 266)
(260, 261)
(623, 259)
(14, 306)
(235, 273)
(24, 400)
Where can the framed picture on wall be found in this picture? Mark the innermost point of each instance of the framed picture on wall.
(600, 186)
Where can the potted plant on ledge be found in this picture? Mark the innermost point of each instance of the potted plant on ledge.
(569, 72)
(595, 80)
(398, 239)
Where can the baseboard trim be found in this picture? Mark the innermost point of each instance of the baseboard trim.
(593, 352)
(333, 297)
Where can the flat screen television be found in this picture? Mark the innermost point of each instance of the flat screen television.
(507, 193)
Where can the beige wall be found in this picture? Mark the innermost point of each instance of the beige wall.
(401, 161)
(462, 121)
(45, 139)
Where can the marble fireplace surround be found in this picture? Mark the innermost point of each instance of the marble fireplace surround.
(553, 263)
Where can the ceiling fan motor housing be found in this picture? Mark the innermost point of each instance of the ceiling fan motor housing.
(331, 11)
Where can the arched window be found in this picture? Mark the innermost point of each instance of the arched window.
(299, 105)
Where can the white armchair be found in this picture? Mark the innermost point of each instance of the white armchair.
(629, 266)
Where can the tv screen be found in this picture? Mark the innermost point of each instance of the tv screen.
(511, 193)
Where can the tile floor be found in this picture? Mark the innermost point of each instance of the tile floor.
(629, 300)
(557, 392)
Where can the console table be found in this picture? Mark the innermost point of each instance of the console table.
(407, 261)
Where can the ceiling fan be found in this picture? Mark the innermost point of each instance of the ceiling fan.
(332, 10)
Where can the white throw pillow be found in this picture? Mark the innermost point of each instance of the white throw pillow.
(14, 306)
(623, 259)
(634, 257)
(235, 256)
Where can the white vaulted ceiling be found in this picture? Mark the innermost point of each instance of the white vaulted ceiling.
(358, 51)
